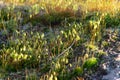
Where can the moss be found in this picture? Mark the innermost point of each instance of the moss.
(90, 63)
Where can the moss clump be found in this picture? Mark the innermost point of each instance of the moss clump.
(90, 63)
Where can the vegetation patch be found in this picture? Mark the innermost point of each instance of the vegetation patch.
(59, 39)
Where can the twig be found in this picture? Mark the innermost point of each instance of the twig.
(65, 50)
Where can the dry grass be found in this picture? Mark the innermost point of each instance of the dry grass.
(109, 6)
(71, 5)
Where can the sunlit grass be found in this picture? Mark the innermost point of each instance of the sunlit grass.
(71, 5)
(109, 6)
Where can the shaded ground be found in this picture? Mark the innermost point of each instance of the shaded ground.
(109, 69)
(112, 65)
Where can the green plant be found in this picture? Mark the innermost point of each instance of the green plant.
(112, 21)
(95, 26)
(90, 63)
(53, 51)
(78, 71)
(31, 76)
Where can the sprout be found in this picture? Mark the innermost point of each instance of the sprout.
(12, 55)
(86, 56)
(66, 61)
(39, 56)
(31, 16)
(77, 38)
(7, 51)
(61, 42)
(15, 54)
(63, 60)
(74, 31)
(97, 14)
(98, 22)
(55, 78)
(73, 35)
(24, 34)
(75, 26)
(21, 55)
(90, 22)
(93, 47)
(25, 56)
(51, 77)
(57, 65)
(42, 36)
(62, 32)
(69, 32)
(66, 35)
(24, 48)
(31, 33)
(95, 26)
(70, 65)
(21, 49)
(95, 34)
(15, 59)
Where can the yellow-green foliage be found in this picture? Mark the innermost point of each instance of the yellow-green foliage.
(90, 63)
(53, 53)
(110, 6)
(71, 5)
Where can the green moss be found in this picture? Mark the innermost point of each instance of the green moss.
(90, 63)
(78, 71)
